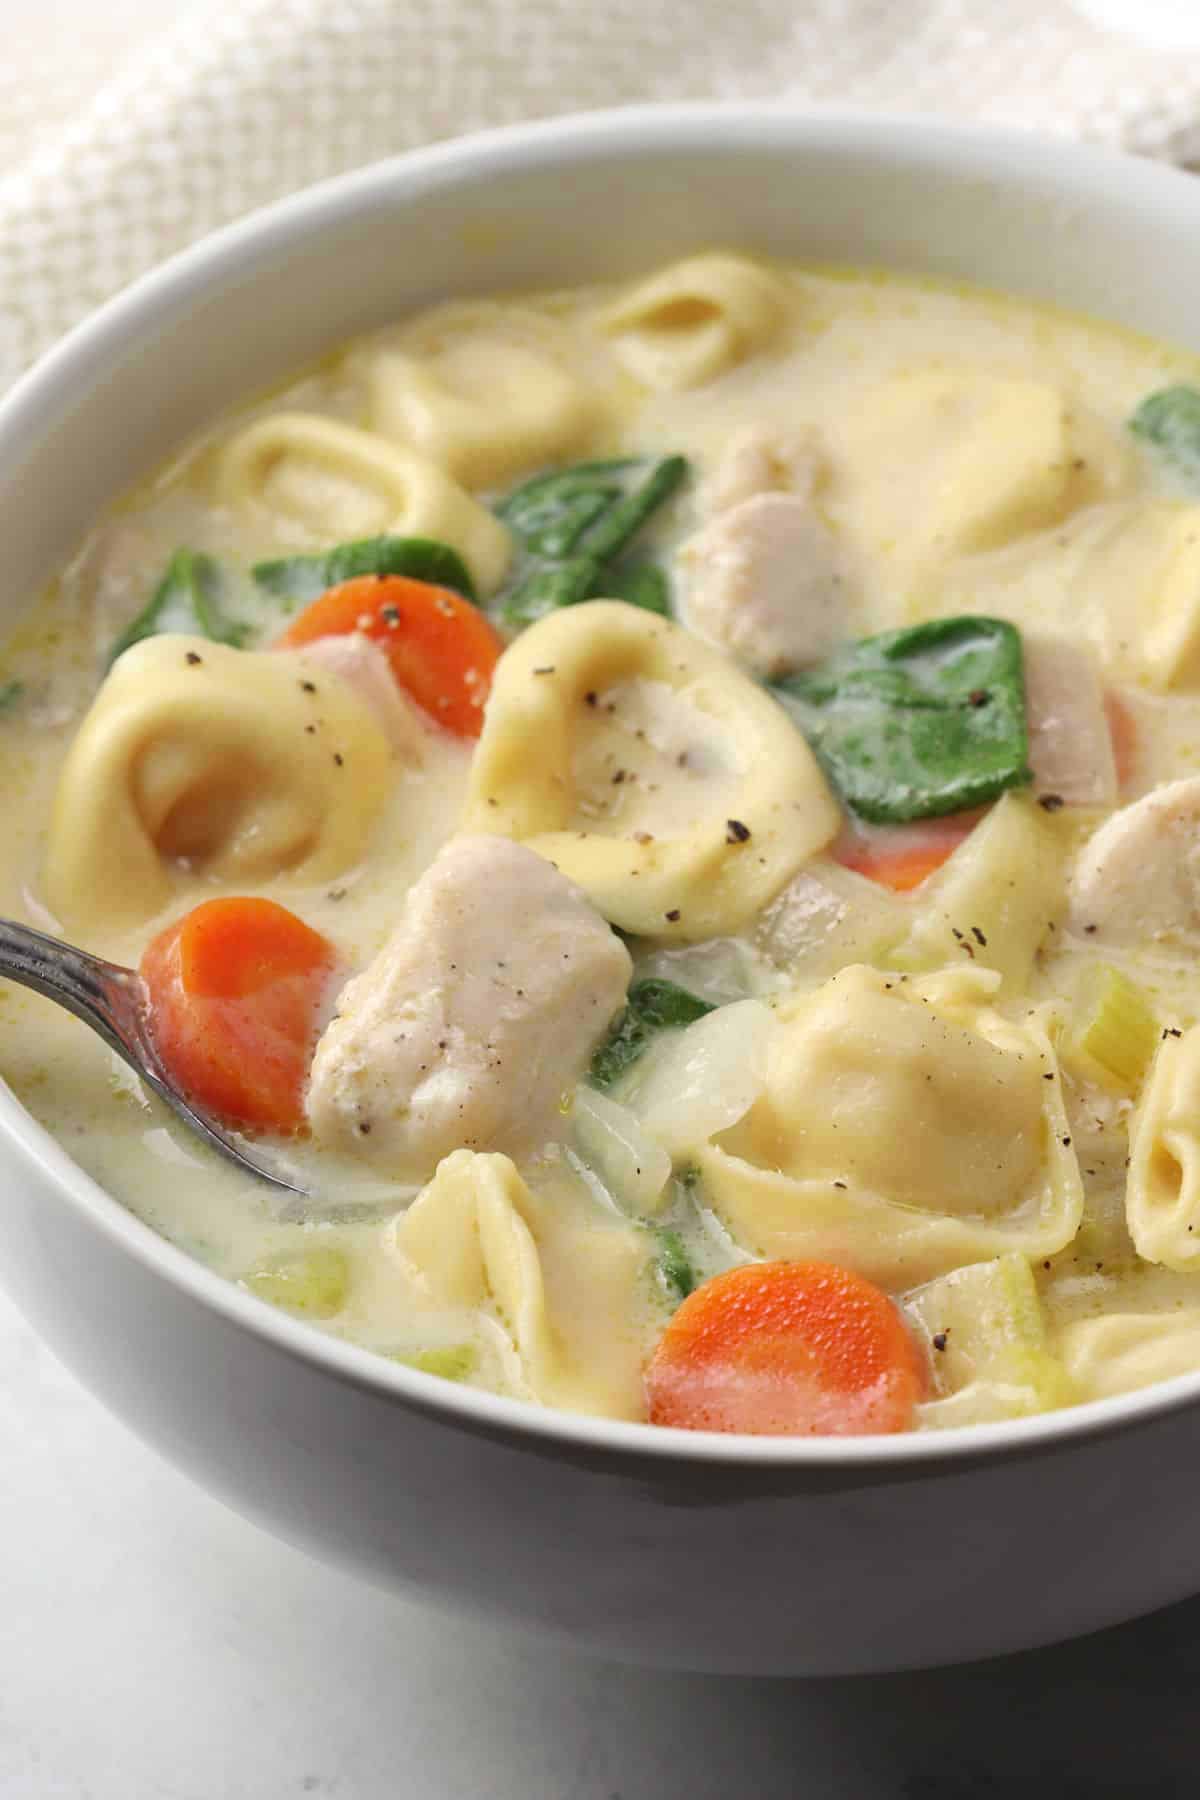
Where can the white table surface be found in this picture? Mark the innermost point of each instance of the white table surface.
(155, 1647)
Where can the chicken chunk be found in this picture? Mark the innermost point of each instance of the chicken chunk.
(760, 462)
(764, 578)
(364, 667)
(479, 1013)
(1139, 876)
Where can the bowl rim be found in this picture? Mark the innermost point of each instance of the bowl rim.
(1075, 170)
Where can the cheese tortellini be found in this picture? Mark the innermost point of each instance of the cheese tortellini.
(940, 462)
(1124, 577)
(905, 1127)
(542, 1266)
(314, 480)
(695, 319)
(1162, 1197)
(484, 408)
(1124, 1351)
(240, 766)
(647, 768)
(996, 899)
(467, 1239)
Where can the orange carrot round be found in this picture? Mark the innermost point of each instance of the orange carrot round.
(442, 650)
(234, 989)
(791, 1349)
(901, 857)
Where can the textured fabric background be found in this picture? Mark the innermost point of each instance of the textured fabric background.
(130, 127)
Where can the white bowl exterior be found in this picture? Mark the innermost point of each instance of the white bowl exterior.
(759, 1558)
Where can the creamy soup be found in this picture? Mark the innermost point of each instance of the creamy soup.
(674, 814)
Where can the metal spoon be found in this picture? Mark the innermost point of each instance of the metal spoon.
(113, 1001)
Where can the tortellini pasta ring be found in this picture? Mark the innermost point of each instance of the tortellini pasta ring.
(1162, 1194)
(695, 319)
(1124, 1351)
(237, 765)
(731, 840)
(467, 1240)
(483, 409)
(324, 480)
(905, 1129)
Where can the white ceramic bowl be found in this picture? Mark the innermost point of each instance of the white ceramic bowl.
(699, 1551)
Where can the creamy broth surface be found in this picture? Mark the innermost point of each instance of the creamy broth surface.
(938, 454)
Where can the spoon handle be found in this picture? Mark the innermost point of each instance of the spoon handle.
(113, 1002)
(108, 998)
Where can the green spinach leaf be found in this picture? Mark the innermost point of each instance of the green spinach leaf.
(673, 1265)
(651, 1006)
(915, 723)
(1170, 420)
(187, 599)
(573, 524)
(639, 584)
(300, 579)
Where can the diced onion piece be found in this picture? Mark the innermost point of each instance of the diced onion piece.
(1070, 744)
(700, 1081)
(618, 1149)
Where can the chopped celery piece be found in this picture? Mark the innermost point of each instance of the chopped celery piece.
(299, 579)
(915, 723)
(10, 693)
(673, 1267)
(651, 1006)
(187, 599)
(1170, 420)
(312, 1282)
(452, 1362)
(1113, 1031)
(984, 1323)
(573, 523)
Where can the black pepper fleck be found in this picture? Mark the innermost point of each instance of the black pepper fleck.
(939, 1339)
(194, 657)
(1051, 802)
(736, 832)
(673, 915)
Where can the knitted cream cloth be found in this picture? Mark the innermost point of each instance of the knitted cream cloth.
(226, 104)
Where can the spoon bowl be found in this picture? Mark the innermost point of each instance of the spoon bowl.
(113, 1001)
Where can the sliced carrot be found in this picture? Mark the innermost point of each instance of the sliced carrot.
(791, 1349)
(441, 648)
(1122, 729)
(902, 856)
(234, 989)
